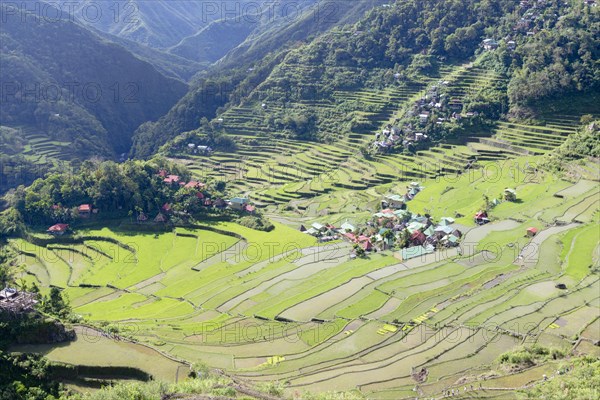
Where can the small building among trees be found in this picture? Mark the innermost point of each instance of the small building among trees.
(58, 229)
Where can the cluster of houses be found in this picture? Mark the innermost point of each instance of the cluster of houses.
(198, 189)
(12, 300)
(417, 234)
(492, 44)
(532, 16)
(395, 226)
(199, 149)
(83, 210)
(236, 203)
(327, 232)
(436, 107)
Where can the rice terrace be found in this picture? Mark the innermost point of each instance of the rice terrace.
(403, 203)
(284, 306)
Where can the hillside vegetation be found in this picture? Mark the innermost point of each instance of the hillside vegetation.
(68, 85)
(400, 204)
(320, 89)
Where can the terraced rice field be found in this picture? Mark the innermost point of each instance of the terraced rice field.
(41, 149)
(279, 306)
(275, 170)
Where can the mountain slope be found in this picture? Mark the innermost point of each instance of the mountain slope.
(159, 24)
(70, 84)
(170, 65)
(246, 66)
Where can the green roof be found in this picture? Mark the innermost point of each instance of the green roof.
(416, 251)
(318, 226)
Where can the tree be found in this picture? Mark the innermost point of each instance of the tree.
(358, 250)
(11, 223)
(55, 304)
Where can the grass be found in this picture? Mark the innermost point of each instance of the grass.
(94, 350)
(579, 247)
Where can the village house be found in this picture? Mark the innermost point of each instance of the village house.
(8, 294)
(142, 217)
(451, 241)
(393, 201)
(365, 243)
(417, 238)
(160, 218)
(238, 203)
(219, 203)
(481, 218)
(204, 149)
(171, 179)
(12, 300)
(319, 227)
(195, 185)
(510, 194)
(531, 232)
(419, 137)
(312, 231)
(58, 229)
(347, 227)
(490, 44)
(84, 210)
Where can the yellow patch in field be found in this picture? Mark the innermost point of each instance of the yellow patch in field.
(274, 360)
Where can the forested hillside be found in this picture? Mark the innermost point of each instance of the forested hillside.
(71, 86)
(541, 51)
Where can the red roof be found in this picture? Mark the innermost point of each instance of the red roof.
(58, 228)
(418, 235)
(171, 179)
(532, 230)
(481, 214)
(363, 238)
(250, 208)
(162, 173)
(350, 236)
(200, 195)
(194, 184)
(85, 208)
(366, 245)
(166, 207)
